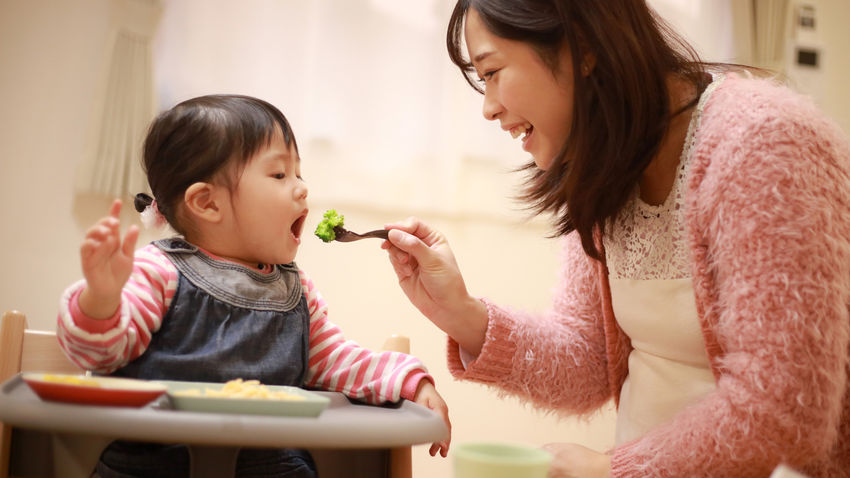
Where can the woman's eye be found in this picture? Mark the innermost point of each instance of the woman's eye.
(487, 76)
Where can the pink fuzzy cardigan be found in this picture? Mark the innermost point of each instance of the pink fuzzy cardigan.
(768, 215)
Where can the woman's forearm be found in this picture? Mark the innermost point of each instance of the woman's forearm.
(467, 325)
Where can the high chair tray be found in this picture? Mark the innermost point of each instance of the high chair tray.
(342, 424)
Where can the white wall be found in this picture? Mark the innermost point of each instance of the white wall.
(706, 24)
(52, 63)
(51, 56)
(827, 84)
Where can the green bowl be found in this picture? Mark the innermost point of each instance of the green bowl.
(500, 460)
(310, 404)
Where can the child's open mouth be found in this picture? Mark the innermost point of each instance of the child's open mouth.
(298, 226)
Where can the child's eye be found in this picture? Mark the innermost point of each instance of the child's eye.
(279, 175)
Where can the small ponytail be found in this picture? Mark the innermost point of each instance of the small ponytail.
(152, 218)
(142, 201)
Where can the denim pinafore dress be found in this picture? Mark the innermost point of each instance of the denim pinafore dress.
(225, 321)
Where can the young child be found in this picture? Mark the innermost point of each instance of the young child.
(224, 300)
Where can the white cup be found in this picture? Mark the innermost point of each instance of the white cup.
(500, 460)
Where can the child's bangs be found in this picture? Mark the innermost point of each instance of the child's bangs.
(258, 125)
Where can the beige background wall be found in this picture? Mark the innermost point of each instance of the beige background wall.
(52, 56)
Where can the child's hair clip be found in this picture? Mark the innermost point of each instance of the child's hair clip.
(149, 212)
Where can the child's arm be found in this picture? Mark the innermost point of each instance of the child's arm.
(427, 396)
(107, 264)
(341, 365)
(108, 343)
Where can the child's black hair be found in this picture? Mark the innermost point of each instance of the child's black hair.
(196, 139)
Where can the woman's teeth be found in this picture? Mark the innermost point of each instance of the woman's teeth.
(520, 130)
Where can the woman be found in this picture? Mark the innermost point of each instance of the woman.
(705, 284)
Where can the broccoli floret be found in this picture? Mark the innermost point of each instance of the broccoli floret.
(325, 229)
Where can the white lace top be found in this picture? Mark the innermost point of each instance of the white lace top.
(653, 300)
(650, 242)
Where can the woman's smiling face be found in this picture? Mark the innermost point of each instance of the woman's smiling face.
(521, 91)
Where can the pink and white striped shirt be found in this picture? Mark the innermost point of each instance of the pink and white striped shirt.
(334, 363)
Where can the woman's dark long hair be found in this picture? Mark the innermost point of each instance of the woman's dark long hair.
(621, 109)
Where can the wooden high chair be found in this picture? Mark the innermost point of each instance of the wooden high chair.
(27, 350)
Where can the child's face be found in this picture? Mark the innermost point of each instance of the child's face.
(269, 205)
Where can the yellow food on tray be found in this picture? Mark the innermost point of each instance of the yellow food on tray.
(241, 389)
(70, 380)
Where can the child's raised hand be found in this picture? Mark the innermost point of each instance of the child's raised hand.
(107, 264)
(427, 396)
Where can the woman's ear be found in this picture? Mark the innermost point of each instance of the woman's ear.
(588, 58)
(203, 203)
(588, 63)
